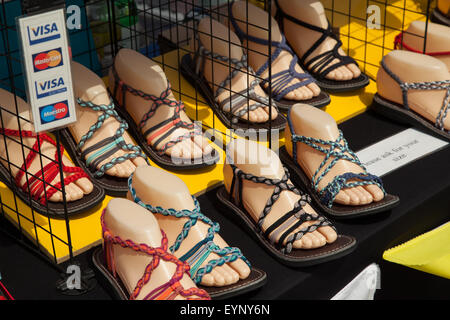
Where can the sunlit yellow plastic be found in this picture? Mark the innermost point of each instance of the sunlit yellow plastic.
(429, 252)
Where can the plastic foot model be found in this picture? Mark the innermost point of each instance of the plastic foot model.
(437, 40)
(99, 141)
(320, 161)
(289, 83)
(219, 69)
(30, 165)
(415, 89)
(157, 120)
(221, 270)
(135, 260)
(260, 197)
(318, 47)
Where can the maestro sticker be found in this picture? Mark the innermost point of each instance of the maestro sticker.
(53, 112)
(47, 60)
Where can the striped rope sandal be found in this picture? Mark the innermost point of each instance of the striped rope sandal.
(151, 139)
(91, 157)
(320, 65)
(232, 110)
(104, 262)
(283, 227)
(324, 198)
(37, 189)
(403, 113)
(281, 80)
(196, 256)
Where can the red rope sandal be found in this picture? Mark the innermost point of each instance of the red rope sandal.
(104, 261)
(400, 44)
(37, 189)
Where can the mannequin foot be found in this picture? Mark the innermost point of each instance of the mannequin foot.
(258, 53)
(311, 122)
(140, 227)
(216, 71)
(90, 90)
(254, 159)
(138, 73)
(313, 13)
(73, 191)
(171, 192)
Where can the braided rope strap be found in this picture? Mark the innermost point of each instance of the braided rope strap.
(290, 221)
(200, 252)
(167, 291)
(112, 143)
(41, 180)
(281, 80)
(430, 85)
(336, 150)
(400, 44)
(165, 128)
(237, 100)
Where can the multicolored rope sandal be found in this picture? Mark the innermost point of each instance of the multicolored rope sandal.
(320, 66)
(284, 227)
(400, 44)
(91, 157)
(196, 256)
(104, 262)
(152, 138)
(37, 189)
(324, 198)
(282, 79)
(404, 114)
(232, 110)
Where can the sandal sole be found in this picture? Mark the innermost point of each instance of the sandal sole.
(343, 245)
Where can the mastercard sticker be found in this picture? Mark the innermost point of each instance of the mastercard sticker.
(47, 60)
(54, 112)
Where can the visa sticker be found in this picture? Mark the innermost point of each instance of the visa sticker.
(50, 86)
(47, 60)
(40, 33)
(54, 112)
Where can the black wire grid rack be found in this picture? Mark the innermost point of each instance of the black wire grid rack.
(164, 31)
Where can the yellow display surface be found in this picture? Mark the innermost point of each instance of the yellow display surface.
(85, 229)
(429, 252)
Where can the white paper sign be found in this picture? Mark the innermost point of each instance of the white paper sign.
(398, 150)
(47, 68)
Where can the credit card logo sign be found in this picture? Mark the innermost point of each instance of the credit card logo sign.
(47, 60)
(49, 87)
(54, 112)
(43, 33)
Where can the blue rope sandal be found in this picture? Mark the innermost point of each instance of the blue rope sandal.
(284, 227)
(336, 150)
(281, 80)
(196, 256)
(91, 157)
(403, 114)
(320, 65)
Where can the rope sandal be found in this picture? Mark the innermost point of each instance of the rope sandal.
(104, 261)
(285, 225)
(324, 198)
(103, 149)
(201, 251)
(319, 66)
(146, 138)
(282, 79)
(4, 293)
(400, 44)
(37, 189)
(231, 110)
(404, 114)
(439, 17)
